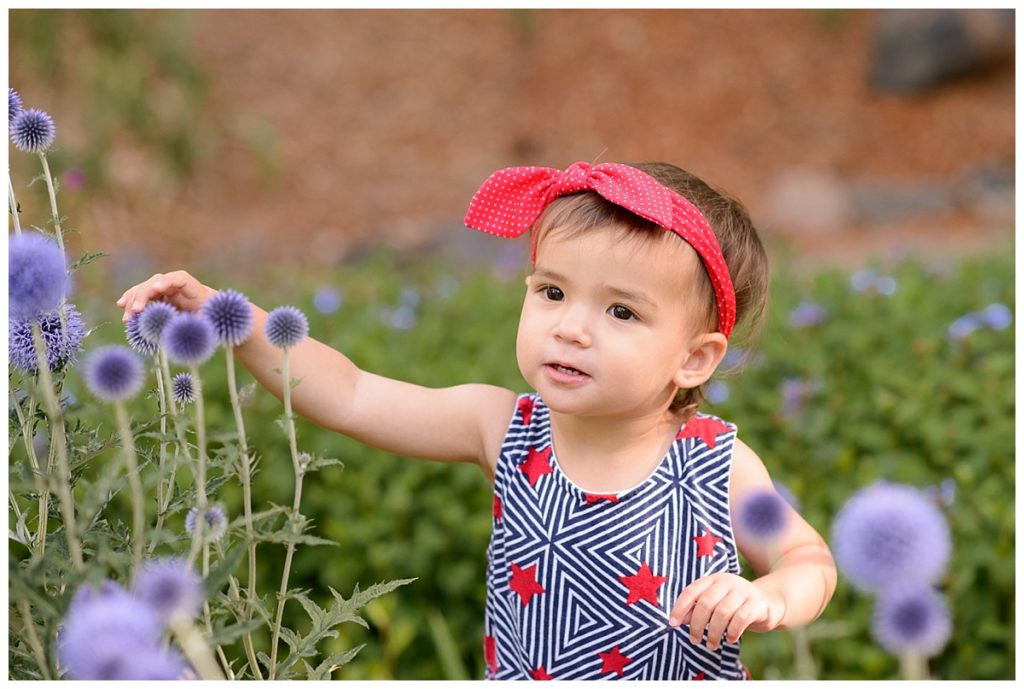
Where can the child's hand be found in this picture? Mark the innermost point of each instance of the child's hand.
(179, 289)
(723, 603)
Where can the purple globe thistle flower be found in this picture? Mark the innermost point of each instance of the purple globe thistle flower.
(911, 620)
(153, 319)
(786, 494)
(231, 315)
(62, 346)
(13, 104)
(184, 388)
(890, 534)
(717, 392)
(32, 131)
(328, 300)
(113, 373)
(89, 594)
(216, 522)
(807, 314)
(189, 338)
(862, 280)
(886, 285)
(285, 327)
(170, 587)
(37, 277)
(996, 316)
(962, 327)
(105, 633)
(402, 318)
(762, 515)
(133, 333)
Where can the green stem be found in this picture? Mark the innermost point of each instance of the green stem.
(178, 429)
(162, 400)
(198, 536)
(236, 595)
(14, 206)
(132, 467)
(243, 449)
(194, 646)
(913, 666)
(58, 439)
(802, 657)
(299, 471)
(53, 200)
(33, 638)
(39, 540)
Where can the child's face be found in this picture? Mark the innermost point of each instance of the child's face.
(621, 312)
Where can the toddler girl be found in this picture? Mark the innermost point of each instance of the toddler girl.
(612, 553)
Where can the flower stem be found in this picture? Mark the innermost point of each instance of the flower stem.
(53, 199)
(33, 638)
(195, 648)
(802, 657)
(913, 666)
(198, 537)
(58, 439)
(26, 434)
(236, 595)
(299, 471)
(14, 206)
(162, 401)
(243, 450)
(132, 467)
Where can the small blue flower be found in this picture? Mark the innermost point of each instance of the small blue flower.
(286, 327)
(717, 392)
(133, 333)
(13, 104)
(105, 634)
(787, 495)
(231, 315)
(886, 285)
(402, 318)
(796, 392)
(911, 620)
(216, 522)
(807, 314)
(62, 346)
(32, 131)
(996, 316)
(962, 327)
(184, 388)
(189, 338)
(113, 373)
(37, 276)
(328, 300)
(152, 321)
(409, 296)
(734, 356)
(862, 280)
(762, 515)
(890, 534)
(169, 586)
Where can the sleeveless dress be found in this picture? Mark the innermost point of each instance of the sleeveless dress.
(580, 585)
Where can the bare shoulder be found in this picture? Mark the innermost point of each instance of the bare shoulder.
(496, 406)
(748, 470)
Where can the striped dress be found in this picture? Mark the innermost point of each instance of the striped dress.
(579, 585)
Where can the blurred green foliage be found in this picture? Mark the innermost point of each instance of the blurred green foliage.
(897, 399)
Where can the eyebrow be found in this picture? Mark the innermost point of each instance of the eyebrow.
(628, 295)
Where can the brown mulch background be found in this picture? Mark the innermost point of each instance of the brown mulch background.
(385, 122)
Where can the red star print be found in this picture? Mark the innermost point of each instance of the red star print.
(643, 585)
(540, 673)
(491, 653)
(613, 661)
(525, 406)
(700, 676)
(497, 508)
(706, 543)
(536, 464)
(524, 582)
(595, 497)
(705, 428)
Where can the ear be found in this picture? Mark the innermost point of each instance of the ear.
(528, 279)
(706, 352)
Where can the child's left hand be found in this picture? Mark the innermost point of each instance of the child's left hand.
(723, 603)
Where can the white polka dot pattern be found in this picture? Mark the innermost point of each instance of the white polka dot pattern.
(511, 199)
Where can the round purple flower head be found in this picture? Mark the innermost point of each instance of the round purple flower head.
(890, 534)
(37, 276)
(911, 620)
(717, 392)
(133, 334)
(807, 314)
(962, 327)
(169, 587)
(189, 338)
(231, 315)
(62, 346)
(286, 327)
(762, 515)
(216, 523)
(105, 633)
(88, 594)
(13, 104)
(996, 316)
(113, 373)
(32, 131)
(328, 300)
(152, 321)
(184, 388)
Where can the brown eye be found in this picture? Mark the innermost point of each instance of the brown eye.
(622, 313)
(553, 293)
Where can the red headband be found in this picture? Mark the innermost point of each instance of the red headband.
(511, 199)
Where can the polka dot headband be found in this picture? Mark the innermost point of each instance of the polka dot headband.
(511, 199)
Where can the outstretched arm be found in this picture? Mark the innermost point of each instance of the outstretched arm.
(464, 423)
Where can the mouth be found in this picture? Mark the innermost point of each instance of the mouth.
(564, 372)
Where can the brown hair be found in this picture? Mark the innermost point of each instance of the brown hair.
(744, 254)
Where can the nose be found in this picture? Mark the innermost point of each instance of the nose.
(573, 327)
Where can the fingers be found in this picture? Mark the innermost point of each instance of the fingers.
(160, 286)
(681, 610)
(722, 617)
(703, 609)
(743, 618)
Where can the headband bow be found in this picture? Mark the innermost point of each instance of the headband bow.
(511, 199)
